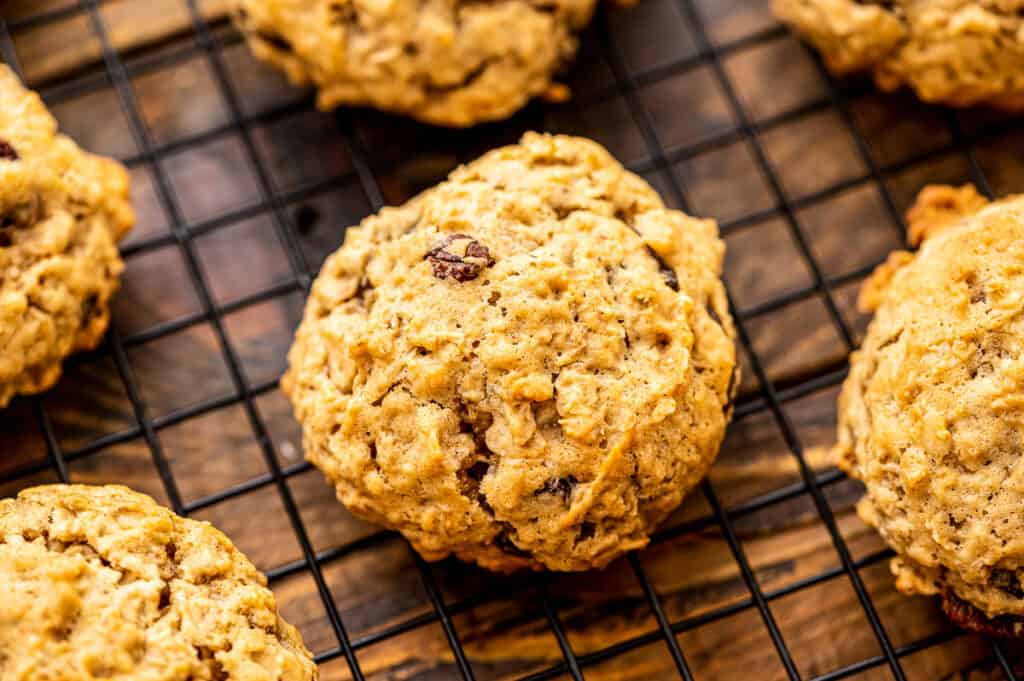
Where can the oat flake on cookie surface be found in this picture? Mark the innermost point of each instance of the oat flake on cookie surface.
(62, 211)
(526, 366)
(104, 583)
(931, 417)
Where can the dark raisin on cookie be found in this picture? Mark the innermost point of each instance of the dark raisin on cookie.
(21, 216)
(968, 617)
(667, 273)
(7, 151)
(563, 487)
(1007, 582)
(89, 308)
(504, 542)
(275, 41)
(460, 257)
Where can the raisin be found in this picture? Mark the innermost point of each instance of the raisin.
(587, 530)
(362, 289)
(6, 241)
(275, 41)
(89, 306)
(469, 484)
(165, 598)
(667, 273)
(7, 151)
(21, 216)
(466, 267)
(966, 616)
(478, 470)
(563, 487)
(505, 543)
(1007, 582)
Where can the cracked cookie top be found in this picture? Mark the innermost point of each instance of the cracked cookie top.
(961, 52)
(446, 62)
(526, 366)
(103, 583)
(932, 415)
(62, 211)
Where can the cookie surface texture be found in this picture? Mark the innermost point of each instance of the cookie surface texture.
(960, 52)
(62, 211)
(932, 414)
(527, 365)
(444, 62)
(103, 583)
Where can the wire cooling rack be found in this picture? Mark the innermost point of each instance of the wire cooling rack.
(613, 95)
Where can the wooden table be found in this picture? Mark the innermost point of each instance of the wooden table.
(174, 359)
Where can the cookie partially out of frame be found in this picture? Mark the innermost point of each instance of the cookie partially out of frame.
(526, 366)
(103, 583)
(959, 52)
(62, 211)
(931, 418)
(444, 62)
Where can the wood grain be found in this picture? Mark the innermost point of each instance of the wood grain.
(376, 585)
(63, 47)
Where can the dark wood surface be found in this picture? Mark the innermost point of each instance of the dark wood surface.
(375, 584)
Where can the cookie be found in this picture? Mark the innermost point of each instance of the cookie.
(960, 52)
(103, 583)
(932, 414)
(445, 62)
(526, 366)
(62, 211)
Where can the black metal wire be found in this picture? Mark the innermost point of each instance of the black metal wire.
(788, 432)
(209, 41)
(666, 631)
(656, 149)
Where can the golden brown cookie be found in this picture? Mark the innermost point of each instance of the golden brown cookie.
(62, 211)
(527, 365)
(960, 52)
(445, 62)
(931, 417)
(103, 583)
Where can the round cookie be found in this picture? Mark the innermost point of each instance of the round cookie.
(103, 583)
(62, 211)
(960, 52)
(445, 62)
(932, 414)
(527, 365)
